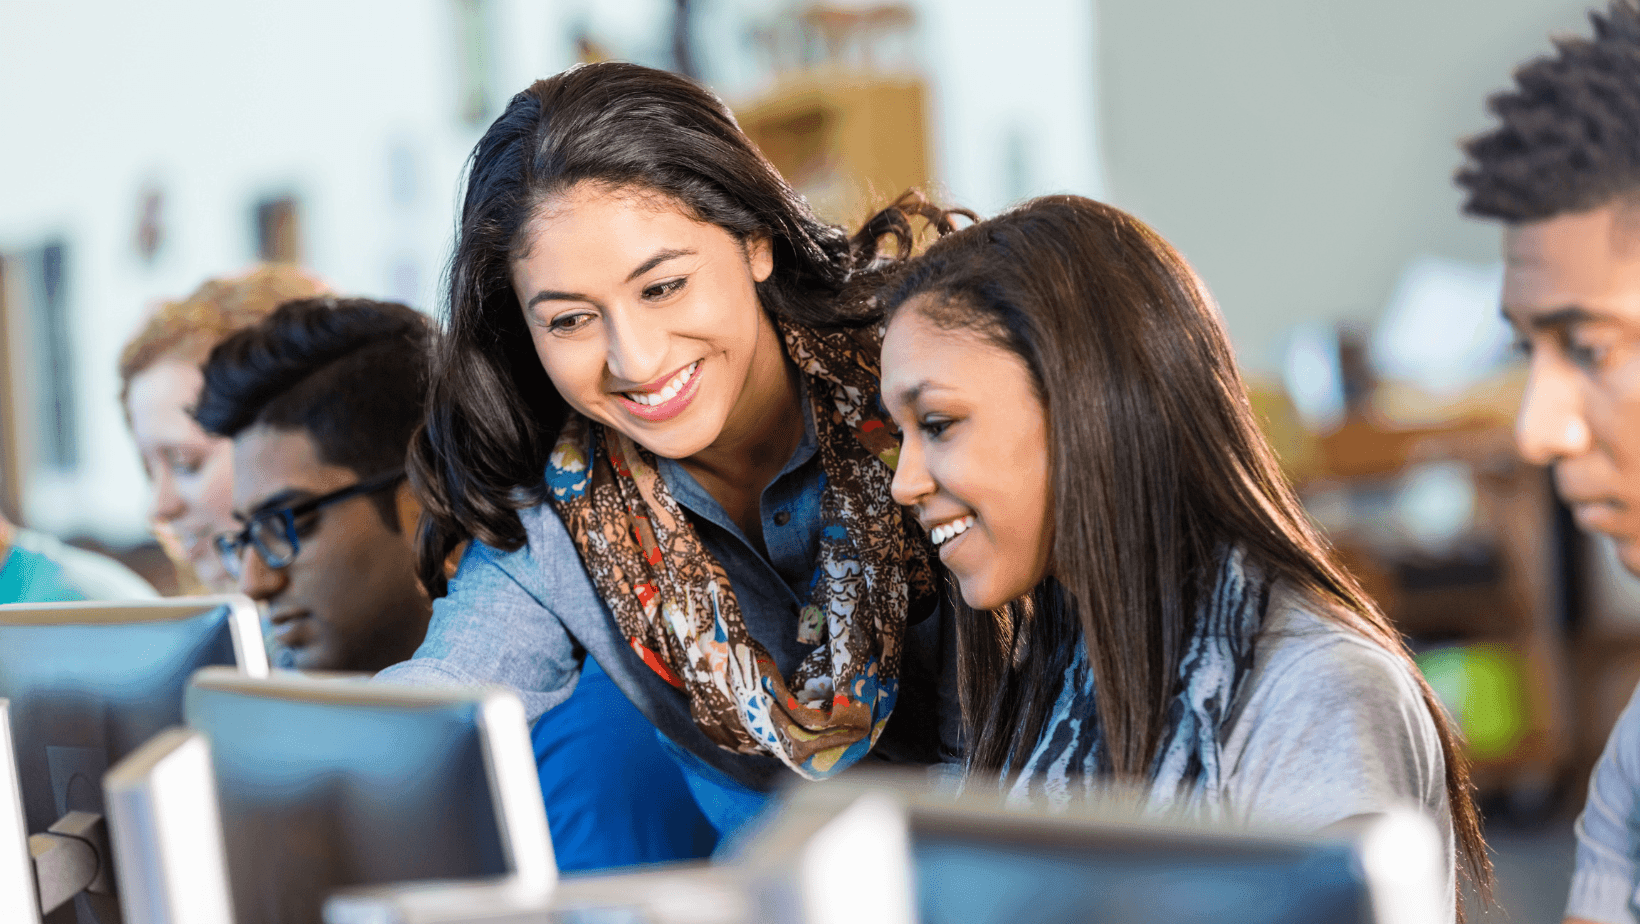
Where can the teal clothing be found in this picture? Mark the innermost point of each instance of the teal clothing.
(29, 577)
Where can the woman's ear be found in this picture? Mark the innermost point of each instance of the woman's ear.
(760, 256)
(408, 510)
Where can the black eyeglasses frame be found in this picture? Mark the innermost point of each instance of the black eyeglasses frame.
(231, 546)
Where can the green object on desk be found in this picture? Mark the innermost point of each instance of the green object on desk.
(1484, 689)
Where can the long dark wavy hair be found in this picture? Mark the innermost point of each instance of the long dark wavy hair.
(492, 412)
(1158, 466)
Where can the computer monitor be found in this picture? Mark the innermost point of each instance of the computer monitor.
(87, 684)
(876, 849)
(822, 863)
(324, 784)
(18, 901)
(827, 863)
(977, 861)
(168, 846)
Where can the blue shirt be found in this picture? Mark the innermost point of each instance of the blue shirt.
(1606, 882)
(615, 797)
(527, 618)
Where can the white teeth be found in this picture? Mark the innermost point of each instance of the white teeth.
(947, 531)
(670, 391)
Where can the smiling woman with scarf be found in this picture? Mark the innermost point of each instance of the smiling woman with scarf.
(1143, 598)
(655, 417)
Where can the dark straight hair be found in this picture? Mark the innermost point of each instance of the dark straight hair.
(492, 411)
(1158, 467)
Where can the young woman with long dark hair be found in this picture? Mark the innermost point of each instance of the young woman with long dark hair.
(1078, 442)
(655, 421)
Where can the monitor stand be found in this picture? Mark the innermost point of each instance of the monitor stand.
(70, 858)
(43, 872)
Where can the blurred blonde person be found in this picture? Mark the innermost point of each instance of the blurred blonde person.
(190, 470)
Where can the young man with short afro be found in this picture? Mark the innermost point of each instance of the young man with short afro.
(1561, 171)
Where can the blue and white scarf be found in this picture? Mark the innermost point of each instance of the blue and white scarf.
(1069, 761)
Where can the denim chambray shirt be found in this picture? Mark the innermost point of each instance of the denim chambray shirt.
(525, 619)
(1606, 881)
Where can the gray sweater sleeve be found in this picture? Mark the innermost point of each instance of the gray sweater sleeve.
(1337, 731)
(1332, 726)
(1608, 831)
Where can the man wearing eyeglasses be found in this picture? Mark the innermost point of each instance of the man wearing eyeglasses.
(321, 399)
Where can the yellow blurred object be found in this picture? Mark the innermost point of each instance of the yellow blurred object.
(188, 582)
(1492, 402)
(1297, 448)
(849, 141)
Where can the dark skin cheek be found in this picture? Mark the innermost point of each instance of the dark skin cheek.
(1614, 413)
(327, 579)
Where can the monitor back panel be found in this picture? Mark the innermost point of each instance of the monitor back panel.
(990, 877)
(85, 695)
(316, 796)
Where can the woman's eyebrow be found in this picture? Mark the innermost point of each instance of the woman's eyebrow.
(661, 256)
(1553, 320)
(910, 394)
(547, 295)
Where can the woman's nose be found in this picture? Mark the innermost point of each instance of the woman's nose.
(635, 351)
(912, 482)
(166, 504)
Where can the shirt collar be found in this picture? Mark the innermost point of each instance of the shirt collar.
(688, 492)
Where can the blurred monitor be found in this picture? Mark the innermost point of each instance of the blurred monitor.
(982, 866)
(976, 862)
(87, 684)
(167, 835)
(323, 784)
(18, 901)
(825, 862)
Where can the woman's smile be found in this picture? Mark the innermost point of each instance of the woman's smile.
(664, 398)
(948, 535)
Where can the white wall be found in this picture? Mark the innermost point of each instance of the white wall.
(1013, 88)
(1300, 152)
(220, 104)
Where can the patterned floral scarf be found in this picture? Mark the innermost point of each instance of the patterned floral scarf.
(673, 602)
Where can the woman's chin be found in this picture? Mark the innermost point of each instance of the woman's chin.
(989, 592)
(980, 595)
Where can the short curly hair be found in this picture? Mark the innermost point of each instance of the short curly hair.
(187, 328)
(1570, 134)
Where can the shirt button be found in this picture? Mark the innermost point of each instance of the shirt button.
(782, 518)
